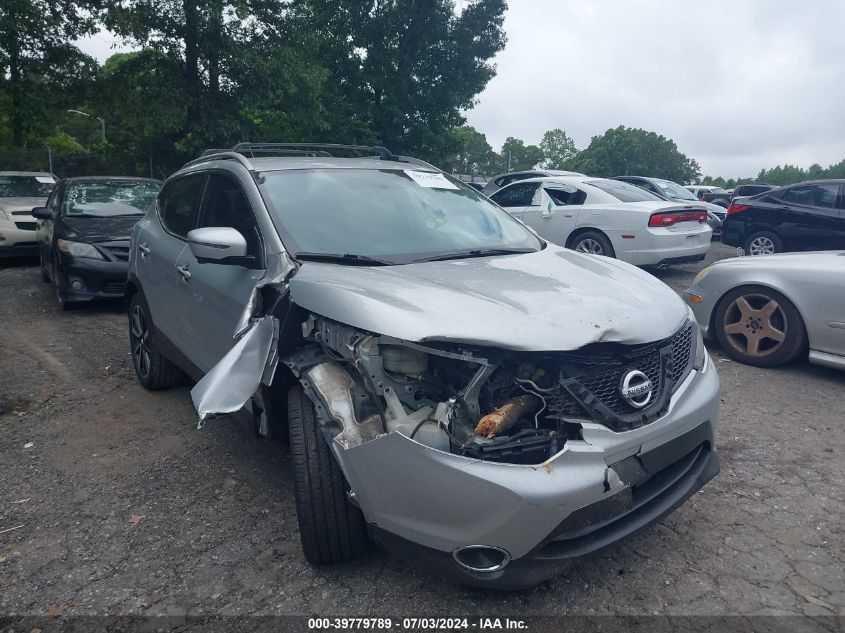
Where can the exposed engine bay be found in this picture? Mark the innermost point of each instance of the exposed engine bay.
(492, 405)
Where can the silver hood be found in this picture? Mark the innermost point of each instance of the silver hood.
(552, 300)
(21, 204)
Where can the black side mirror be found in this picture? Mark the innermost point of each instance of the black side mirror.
(42, 213)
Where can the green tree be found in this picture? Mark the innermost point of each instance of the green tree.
(35, 38)
(409, 67)
(635, 152)
(519, 156)
(474, 154)
(63, 142)
(558, 149)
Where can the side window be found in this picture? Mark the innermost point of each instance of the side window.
(53, 201)
(821, 195)
(225, 204)
(518, 195)
(178, 203)
(565, 198)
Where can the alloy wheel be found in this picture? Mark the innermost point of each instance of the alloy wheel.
(589, 245)
(761, 245)
(140, 333)
(755, 324)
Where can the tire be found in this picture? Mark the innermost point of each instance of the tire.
(61, 301)
(153, 370)
(758, 326)
(594, 243)
(331, 529)
(45, 276)
(763, 243)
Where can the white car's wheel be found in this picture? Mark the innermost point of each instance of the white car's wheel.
(593, 243)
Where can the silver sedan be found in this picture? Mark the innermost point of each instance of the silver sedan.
(767, 310)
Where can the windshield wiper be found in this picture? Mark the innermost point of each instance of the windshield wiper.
(482, 252)
(343, 258)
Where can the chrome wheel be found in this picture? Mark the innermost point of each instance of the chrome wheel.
(589, 245)
(139, 334)
(755, 324)
(761, 245)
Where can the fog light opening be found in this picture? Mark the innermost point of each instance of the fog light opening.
(76, 284)
(481, 558)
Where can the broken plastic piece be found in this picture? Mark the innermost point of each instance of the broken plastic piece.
(236, 377)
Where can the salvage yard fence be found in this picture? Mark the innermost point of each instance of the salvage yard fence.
(110, 162)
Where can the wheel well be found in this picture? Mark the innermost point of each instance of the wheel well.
(580, 231)
(275, 399)
(131, 290)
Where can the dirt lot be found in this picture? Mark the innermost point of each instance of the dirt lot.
(125, 508)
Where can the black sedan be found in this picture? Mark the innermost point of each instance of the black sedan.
(83, 235)
(809, 216)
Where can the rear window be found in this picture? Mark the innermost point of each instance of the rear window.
(622, 191)
(26, 186)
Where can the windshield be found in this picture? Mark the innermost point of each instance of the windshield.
(674, 190)
(397, 216)
(623, 191)
(108, 198)
(26, 186)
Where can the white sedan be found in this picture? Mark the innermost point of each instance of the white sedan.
(609, 217)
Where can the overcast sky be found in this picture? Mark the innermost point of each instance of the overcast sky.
(738, 84)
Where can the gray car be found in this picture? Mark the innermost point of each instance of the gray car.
(476, 400)
(767, 310)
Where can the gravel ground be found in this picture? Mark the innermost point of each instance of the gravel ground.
(112, 503)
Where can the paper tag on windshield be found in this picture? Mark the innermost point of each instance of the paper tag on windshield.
(430, 180)
(45, 179)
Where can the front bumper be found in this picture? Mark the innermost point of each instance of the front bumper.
(423, 504)
(99, 279)
(16, 242)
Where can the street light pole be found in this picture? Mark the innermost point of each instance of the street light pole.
(102, 121)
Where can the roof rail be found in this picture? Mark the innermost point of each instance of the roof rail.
(223, 154)
(243, 151)
(314, 149)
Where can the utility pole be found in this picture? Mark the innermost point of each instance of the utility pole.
(91, 116)
(49, 157)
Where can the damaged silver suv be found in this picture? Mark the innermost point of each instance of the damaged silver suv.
(476, 400)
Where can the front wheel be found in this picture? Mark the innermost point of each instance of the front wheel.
(759, 326)
(594, 243)
(331, 529)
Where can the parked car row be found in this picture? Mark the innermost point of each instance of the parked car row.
(607, 217)
(722, 197)
(544, 400)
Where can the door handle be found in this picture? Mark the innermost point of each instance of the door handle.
(183, 270)
(145, 250)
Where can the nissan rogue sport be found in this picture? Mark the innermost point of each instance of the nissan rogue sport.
(476, 400)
